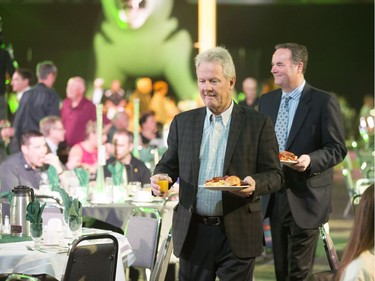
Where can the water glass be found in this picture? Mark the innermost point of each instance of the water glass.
(36, 231)
(134, 187)
(75, 226)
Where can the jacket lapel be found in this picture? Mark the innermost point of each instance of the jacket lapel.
(236, 123)
(301, 113)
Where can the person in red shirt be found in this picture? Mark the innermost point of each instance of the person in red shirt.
(76, 111)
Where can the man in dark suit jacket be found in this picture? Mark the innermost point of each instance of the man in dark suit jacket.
(316, 136)
(223, 237)
(38, 102)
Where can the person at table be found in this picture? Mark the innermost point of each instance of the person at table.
(53, 130)
(26, 167)
(122, 146)
(119, 122)
(219, 233)
(85, 154)
(357, 262)
(308, 123)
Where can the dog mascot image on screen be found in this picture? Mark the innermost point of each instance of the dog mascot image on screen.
(140, 38)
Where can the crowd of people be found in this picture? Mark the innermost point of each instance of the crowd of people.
(68, 126)
(215, 234)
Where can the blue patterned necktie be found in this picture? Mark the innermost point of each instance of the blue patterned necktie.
(281, 127)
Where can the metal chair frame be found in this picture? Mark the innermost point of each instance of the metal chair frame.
(78, 252)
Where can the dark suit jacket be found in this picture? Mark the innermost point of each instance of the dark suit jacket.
(251, 151)
(318, 131)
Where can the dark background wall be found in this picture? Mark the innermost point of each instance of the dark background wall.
(339, 37)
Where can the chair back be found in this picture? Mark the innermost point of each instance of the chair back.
(92, 261)
(161, 266)
(330, 250)
(142, 232)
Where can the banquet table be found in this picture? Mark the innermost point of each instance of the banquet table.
(118, 214)
(20, 257)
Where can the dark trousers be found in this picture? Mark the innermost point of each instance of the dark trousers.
(293, 247)
(206, 254)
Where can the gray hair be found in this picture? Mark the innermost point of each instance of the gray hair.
(44, 68)
(218, 55)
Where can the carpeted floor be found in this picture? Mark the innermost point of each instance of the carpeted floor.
(340, 228)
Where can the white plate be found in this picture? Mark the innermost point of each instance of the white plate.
(288, 163)
(100, 202)
(142, 200)
(225, 187)
(146, 200)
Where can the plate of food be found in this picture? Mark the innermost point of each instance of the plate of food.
(288, 158)
(226, 183)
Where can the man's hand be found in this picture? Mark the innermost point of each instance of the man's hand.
(54, 161)
(302, 164)
(7, 133)
(248, 191)
(154, 184)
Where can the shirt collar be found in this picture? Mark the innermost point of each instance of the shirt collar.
(224, 115)
(296, 93)
(52, 146)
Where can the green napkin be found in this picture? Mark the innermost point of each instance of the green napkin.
(67, 201)
(75, 214)
(53, 178)
(116, 169)
(8, 194)
(83, 176)
(34, 216)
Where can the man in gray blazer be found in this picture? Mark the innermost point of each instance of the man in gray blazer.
(219, 233)
(315, 133)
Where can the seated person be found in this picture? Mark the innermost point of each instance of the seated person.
(114, 99)
(85, 154)
(53, 130)
(119, 122)
(27, 166)
(123, 146)
(357, 262)
(149, 133)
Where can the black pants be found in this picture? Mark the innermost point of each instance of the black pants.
(293, 247)
(206, 254)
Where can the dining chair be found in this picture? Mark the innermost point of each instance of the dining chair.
(160, 269)
(92, 261)
(330, 250)
(25, 277)
(142, 232)
(322, 276)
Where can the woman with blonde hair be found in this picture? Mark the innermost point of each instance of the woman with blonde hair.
(357, 263)
(85, 154)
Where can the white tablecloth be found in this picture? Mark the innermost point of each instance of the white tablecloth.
(16, 258)
(118, 214)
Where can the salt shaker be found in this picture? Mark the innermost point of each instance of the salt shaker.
(6, 226)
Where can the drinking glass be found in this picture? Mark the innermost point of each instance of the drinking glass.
(163, 183)
(134, 187)
(75, 226)
(36, 231)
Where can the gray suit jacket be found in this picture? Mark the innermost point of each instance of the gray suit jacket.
(318, 131)
(251, 151)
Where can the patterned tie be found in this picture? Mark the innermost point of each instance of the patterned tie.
(281, 127)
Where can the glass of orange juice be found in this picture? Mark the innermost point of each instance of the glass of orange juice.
(163, 183)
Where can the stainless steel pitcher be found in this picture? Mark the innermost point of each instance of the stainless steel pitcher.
(22, 196)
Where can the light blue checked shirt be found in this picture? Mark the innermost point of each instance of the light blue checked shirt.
(294, 95)
(212, 154)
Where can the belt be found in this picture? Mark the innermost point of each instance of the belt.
(209, 220)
